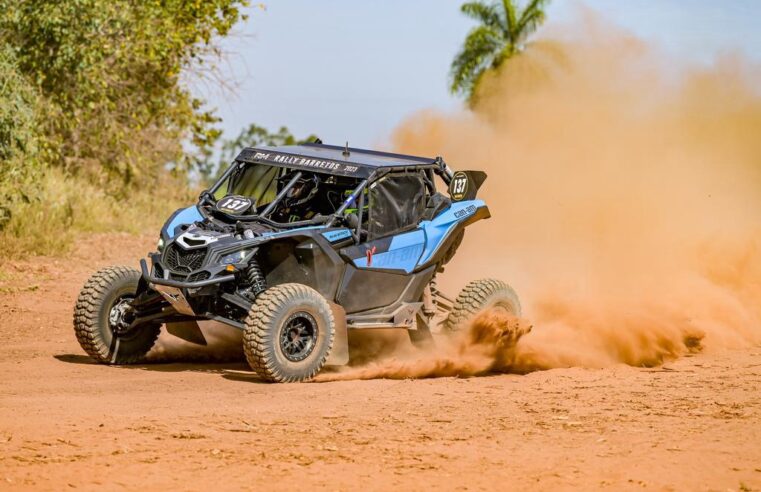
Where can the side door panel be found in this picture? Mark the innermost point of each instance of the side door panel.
(379, 271)
(400, 252)
(363, 289)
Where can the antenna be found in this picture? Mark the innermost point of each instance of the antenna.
(346, 152)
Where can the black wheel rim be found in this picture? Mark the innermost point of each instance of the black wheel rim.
(121, 315)
(298, 336)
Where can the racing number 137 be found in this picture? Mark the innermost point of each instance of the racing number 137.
(459, 187)
(235, 204)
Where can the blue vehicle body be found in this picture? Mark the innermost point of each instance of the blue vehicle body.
(295, 245)
(182, 217)
(413, 250)
(408, 251)
(219, 261)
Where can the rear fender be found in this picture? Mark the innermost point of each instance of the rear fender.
(442, 231)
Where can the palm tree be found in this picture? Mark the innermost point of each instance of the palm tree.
(502, 34)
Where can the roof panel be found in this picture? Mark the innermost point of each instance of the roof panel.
(331, 159)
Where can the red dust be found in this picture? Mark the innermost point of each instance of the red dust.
(625, 191)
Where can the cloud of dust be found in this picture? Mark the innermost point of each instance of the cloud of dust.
(488, 345)
(625, 191)
(222, 344)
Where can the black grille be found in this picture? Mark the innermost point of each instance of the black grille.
(197, 277)
(184, 262)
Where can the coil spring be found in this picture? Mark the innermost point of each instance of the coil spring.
(255, 278)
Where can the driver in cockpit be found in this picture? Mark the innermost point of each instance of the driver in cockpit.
(297, 204)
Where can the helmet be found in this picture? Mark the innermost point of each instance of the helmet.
(303, 190)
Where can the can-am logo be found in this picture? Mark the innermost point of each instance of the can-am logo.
(470, 209)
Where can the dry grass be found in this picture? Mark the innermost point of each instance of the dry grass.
(73, 206)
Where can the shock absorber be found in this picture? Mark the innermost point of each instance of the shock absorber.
(255, 279)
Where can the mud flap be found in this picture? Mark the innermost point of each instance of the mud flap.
(339, 356)
(421, 336)
(189, 331)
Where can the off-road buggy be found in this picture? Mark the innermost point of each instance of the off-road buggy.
(294, 245)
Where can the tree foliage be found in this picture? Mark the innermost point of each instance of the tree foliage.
(18, 106)
(110, 74)
(95, 110)
(502, 32)
(18, 117)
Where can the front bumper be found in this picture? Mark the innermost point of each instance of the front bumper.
(178, 283)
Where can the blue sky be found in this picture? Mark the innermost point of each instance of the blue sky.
(353, 69)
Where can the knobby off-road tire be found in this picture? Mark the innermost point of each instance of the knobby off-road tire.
(477, 296)
(92, 326)
(289, 333)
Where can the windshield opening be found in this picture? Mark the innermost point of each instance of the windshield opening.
(255, 181)
(304, 194)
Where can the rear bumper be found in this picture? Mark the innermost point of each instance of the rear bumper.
(177, 283)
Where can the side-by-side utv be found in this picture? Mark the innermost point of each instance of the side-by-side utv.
(294, 246)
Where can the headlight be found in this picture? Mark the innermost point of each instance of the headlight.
(237, 257)
(160, 245)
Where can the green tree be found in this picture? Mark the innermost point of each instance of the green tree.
(18, 119)
(502, 33)
(96, 113)
(111, 74)
(19, 115)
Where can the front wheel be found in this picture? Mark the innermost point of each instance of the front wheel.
(103, 318)
(289, 333)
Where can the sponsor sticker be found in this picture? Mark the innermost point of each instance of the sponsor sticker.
(458, 188)
(234, 204)
(469, 210)
(325, 165)
(335, 236)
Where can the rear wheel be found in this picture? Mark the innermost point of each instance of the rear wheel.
(477, 296)
(289, 333)
(103, 317)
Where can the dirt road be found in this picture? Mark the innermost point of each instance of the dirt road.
(65, 422)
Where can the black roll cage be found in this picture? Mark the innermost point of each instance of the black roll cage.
(438, 167)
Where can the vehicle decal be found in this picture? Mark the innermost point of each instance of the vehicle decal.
(234, 204)
(402, 253)
(335, 236)
(458, 188)
(300, 162)
(465, 212)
